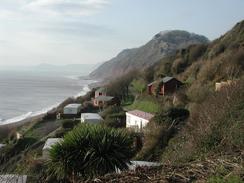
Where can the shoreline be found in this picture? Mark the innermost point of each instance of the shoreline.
(39, 115)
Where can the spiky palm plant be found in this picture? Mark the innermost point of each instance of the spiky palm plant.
(90, 150)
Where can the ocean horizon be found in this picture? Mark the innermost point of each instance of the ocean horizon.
(27, 93)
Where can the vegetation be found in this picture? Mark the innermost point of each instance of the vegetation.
(147, 104)
(196, 130)
(90, 150)
(114, 116)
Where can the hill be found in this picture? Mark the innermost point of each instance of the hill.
(198, 138)
(163, 44)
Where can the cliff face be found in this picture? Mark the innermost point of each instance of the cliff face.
(163, 44)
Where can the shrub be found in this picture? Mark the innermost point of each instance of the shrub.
(90, 150)
(69, 124)
(172, 115)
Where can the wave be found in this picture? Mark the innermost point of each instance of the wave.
(30, 115)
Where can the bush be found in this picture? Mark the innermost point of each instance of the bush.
(172, 115)
(69, 124)
(90, 150)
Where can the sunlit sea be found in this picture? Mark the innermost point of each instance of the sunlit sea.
(23, 93)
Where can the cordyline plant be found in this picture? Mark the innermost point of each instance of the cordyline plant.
(90, 150)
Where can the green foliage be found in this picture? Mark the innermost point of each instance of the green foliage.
(172, 115)
(229, 179)
(147, 104)
(13, 149)
(114, 116)
(159, 131)
(138, 85)
(69, 124)
(120, 87)
(90, 150)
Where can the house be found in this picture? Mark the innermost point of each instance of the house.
(19, 136)
(91, 118)
(164, 86)
(48, 145)
(101, 92)
(102, 101)
(137, 119)
(11, 178)
(72, 110)
(223, 84)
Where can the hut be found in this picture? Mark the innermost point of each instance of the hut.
(137, 119)
(91, 118)
(48, 145)
(72, 110)
(164, 86)
(102, 101)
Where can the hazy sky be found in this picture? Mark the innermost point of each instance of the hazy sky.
(91, 31)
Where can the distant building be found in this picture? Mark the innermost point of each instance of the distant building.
(164, 86)
(224, 84)
(91, 118)
(102, 101)
(48, 145)
(10, 178)
(19, 136)
(101, 92)
(137, 119)
(72, 110)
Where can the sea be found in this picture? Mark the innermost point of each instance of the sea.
(26, 94)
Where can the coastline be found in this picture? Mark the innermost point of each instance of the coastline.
(39, 115)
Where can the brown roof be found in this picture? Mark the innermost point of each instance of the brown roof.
(141, 114)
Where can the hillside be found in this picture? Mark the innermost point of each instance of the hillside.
(198, 137)
(163, 44)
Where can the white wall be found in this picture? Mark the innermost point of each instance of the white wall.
(132, 121)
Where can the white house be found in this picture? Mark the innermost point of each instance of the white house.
(48, 145)
(137, 119)
(72, 109)
(92, 118)
(13, 178)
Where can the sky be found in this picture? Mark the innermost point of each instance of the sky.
(92, 31)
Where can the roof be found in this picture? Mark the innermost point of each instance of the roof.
(90, 116)
(167, 79)
(101, 89)
(51, 141)
(164, 80)
(104, 98)
(141, 114)
(75, 106)
(10, 178)
(135, 164)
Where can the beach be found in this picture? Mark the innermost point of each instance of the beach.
(47, 96)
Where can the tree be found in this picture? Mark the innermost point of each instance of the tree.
(139, 85)
(90, 150)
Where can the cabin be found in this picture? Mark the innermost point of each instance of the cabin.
(11, 178)
(48, 145)
(91, 118)
(101, 92)
(165, 86)
(137, 119)
(72, 110)
(223, 84)
(102, 101)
